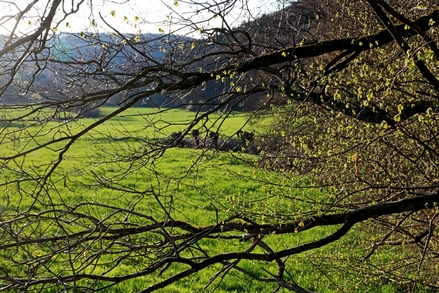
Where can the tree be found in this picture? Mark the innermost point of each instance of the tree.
(351, 88)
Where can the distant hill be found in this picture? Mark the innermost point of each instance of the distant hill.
(92, 61)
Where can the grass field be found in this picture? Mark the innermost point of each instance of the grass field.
(113, 164)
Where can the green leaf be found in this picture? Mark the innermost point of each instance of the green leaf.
(400, 108)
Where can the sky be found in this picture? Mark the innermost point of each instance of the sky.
(132, 16)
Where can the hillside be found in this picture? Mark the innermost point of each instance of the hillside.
(112, 58)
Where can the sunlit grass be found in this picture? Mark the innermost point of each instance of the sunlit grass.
(204, 187)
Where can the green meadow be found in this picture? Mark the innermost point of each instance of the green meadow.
(121, 162)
